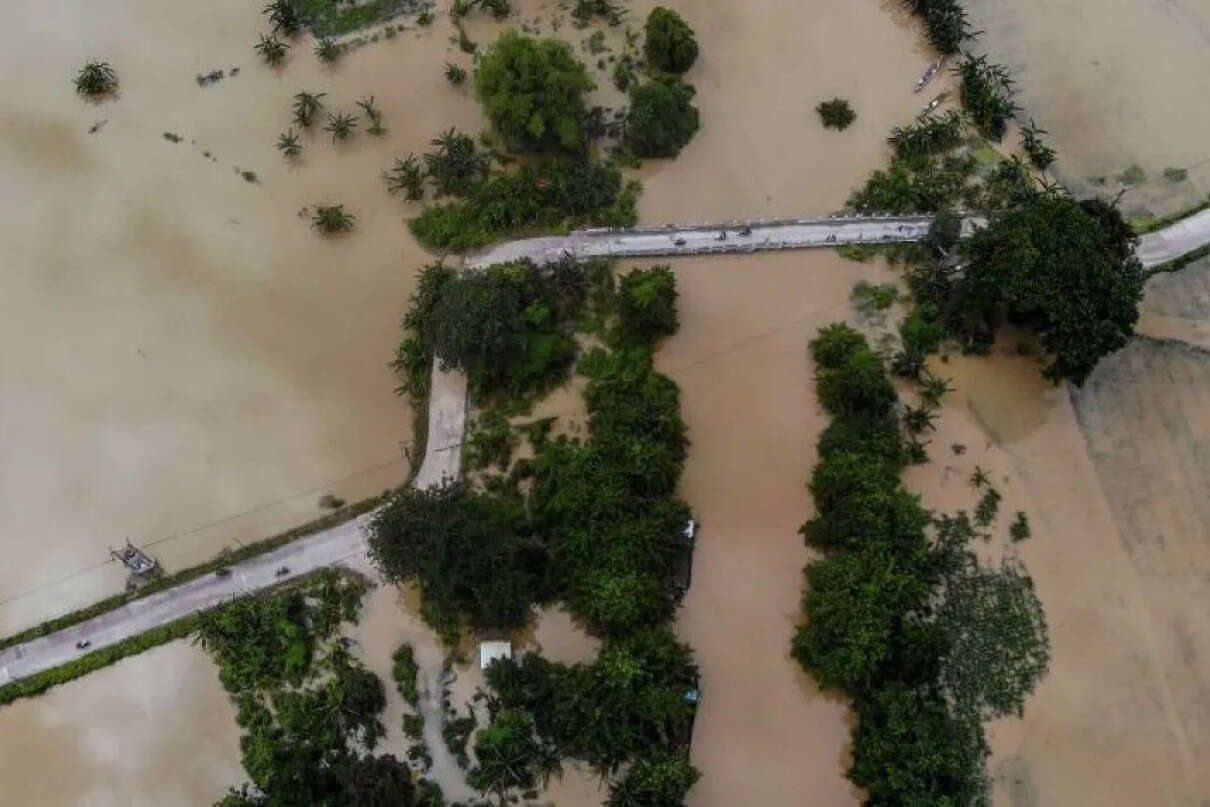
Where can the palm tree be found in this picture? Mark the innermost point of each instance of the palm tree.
(407, 177)
(283, 16)
(980, 478)
(96, 79)
(454, 74)
(374, 114)
(306, 104)
(288, 144)
(341, 126)
(917, 419)
(332, 219)
(327, 50)
(271, 49)
(933, 389)
(456, 166)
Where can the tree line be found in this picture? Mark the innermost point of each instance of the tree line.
(899, 615)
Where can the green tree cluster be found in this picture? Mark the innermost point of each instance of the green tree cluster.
(636, 699)
(510, 326)
(647, 304)
(899, 615)
(669, 43)
(553, 194)
(468, 551)
(306, 722)
(987, 95)
(1058, 267)
(533, 91)
(945, 21)
(661, 118)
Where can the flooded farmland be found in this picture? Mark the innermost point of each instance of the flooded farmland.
(186, 361)
(1119, 86)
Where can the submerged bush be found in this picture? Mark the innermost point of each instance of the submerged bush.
(670, 44)
(836, 114)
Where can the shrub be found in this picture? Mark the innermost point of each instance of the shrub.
(670, 44)
(661, 119)
(533, 91)
(836, 114)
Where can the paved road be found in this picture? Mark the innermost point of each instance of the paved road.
(702, 239)
(342, 545)
(1175, 240)
(448, 408)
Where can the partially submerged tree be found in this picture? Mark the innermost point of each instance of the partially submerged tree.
(341, 125)
(332, 219)
(836, 114)
(655, 780)
(533, 91)
(306, 106)
(456, 166)
(96, 79)
(328, 50)
(272, 50)
(669, 44)
(1040, 154)
(407, 177)
(987, 95)
(455, 74)
(288, 144)
(283, 16)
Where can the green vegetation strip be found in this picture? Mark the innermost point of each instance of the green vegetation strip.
(1141, 225)
(346, 513)
(105, 656)
(1180, 263)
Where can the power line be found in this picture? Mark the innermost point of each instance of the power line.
(203, 527)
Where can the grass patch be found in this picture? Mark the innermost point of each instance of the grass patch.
(1141, 225)
(185, 575)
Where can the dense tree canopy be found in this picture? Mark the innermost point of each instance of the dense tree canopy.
(670, 44)
(655, 780)
(647, 304)
(466, 550)
(533, 91)
(633, 700)
(1052, 266)
(661, 119)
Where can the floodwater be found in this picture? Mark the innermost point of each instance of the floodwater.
(196, 353)
(154, 730)
(1117, 84)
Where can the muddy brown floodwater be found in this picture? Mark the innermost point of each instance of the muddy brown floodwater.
(184, 359)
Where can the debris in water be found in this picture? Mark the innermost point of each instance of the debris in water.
(209, 78)
(172, 137)
(96, 127)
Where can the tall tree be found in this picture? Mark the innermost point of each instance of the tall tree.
(533, 91)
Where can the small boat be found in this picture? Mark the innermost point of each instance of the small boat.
(936, 102)
(83, 644)
(929, 74)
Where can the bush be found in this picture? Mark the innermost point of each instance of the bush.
(661, 120)
(670, 44)
(647, 304)
(96, 79)
(533, 91)
(860, 385)
(836, 114)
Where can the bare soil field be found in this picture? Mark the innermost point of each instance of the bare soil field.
(1118, 84)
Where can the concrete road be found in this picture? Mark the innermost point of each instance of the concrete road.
(1174, 240)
